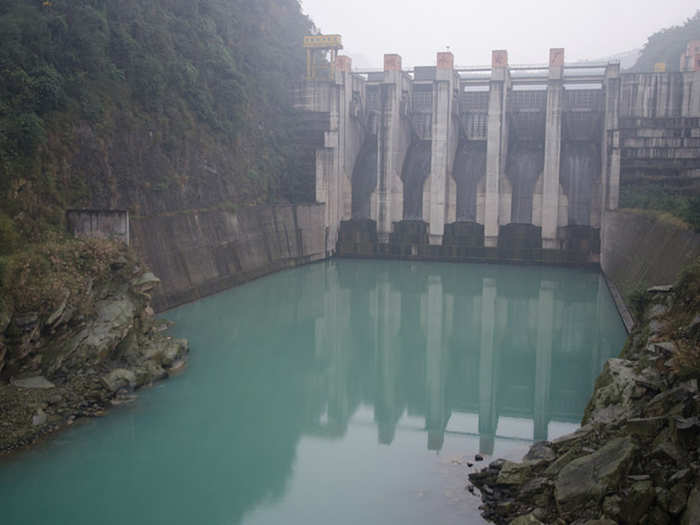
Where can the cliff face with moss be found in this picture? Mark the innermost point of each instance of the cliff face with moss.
(157, 106)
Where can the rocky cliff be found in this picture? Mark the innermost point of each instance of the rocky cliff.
(636, 459)
(77, 335)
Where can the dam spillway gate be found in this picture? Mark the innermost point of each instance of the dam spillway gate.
(491, 163)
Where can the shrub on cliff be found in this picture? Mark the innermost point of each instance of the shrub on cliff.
(38, 277)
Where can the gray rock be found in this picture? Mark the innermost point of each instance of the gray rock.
(177, 368)
(637, 501)
(119, 378)
(174, 352)
(32, 383)
(586, 480)
(657, 516)
(645, 427)
(663, 403)
(563, 460)
(570, 439)
(513, 473)
(5, 315)
(40, 418)
(602, 521)
(528, 519)
(660, 289)
(613, 397)
(657, 310)
(692, 511)
(145, 283)
(58, 313)
(540, 452)
(678, 496)
(612, 506)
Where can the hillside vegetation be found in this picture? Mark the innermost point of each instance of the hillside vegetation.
(151, 105)
(667, 45)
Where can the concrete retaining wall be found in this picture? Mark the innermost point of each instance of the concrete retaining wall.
(102, 224)
(641, 249)
(201, 253)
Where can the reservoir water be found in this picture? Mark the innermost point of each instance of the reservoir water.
(344, 392)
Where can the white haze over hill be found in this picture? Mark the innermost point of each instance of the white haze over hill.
(417, 29)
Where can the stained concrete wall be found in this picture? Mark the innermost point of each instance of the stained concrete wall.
(554, 143)
(102, 224)
(198, 254)
(642, 249)
(343, 101)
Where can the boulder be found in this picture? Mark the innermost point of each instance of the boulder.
(513, 473)
(40, 418)
(119, 378)
(645, 427)
(669, 402)
(637, 501)
(678, 497)
(540, 452)
(692, 511)
(585, 480)
(174, 351)
(145, 283)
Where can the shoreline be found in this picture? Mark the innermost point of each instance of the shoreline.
(636, 457)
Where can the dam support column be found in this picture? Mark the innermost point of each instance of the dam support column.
(552, 150)
(332, 107)
(443, 144)
(611, 140)
(389, 159)
(496, 144)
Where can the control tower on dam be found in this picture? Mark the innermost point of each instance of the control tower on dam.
(499, 162)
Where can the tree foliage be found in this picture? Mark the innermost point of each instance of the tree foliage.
(667, 45)
(182, 66)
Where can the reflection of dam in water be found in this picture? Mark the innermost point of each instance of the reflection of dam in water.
(330, 387)
(478, 351)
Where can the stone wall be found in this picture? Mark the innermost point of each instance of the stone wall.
(200, 253)
(644, 249)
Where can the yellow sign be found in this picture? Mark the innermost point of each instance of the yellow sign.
(660, 67)
(323, 42)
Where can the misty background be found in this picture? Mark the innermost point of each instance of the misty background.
(417, 29)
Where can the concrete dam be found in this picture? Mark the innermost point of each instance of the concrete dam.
(504, 162)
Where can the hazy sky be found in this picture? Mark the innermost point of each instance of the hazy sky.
(417, 29)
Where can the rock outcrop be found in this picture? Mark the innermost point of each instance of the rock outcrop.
(636, 459)
(77, 335)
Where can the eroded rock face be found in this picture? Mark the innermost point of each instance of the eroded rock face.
(637, 457)
(98, 341)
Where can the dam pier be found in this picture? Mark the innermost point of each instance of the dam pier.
(500, 162)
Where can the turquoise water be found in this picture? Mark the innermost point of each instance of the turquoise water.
(344, 392)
